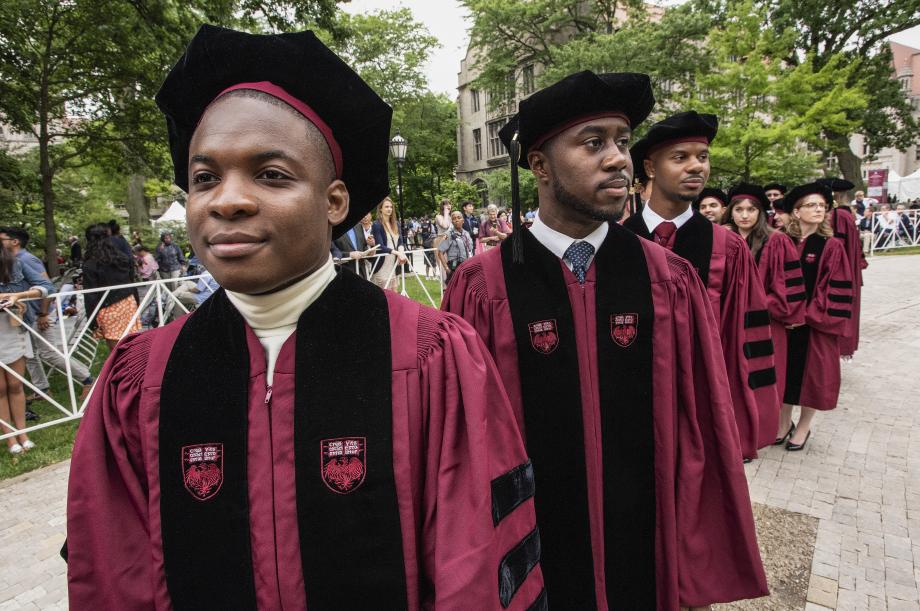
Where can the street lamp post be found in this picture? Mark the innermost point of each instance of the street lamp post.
(398, 147)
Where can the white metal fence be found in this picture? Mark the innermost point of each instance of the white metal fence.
(892, 229)
(71, 337)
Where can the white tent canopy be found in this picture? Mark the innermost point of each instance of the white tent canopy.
(175, 213)
(906, 188)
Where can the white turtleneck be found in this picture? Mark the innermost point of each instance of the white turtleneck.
(273, 317)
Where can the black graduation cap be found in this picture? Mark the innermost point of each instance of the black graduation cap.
(756, 193)
(801, 191)
(775, 186)
(300, 70)
(718, 194)
(683, 127)
(835, 184)
(575, 99)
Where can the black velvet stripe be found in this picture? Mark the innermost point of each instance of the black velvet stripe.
(693, 242)
(541, 603)
(791, 265)
(625, 383)
(840, 298)
(756, 318)
(510, 490)
(762, 377)
(516, 566)
(841, 284)
(839, 313)
(810, 257)
(797, 356)
(796, 297)
(759, 348)
(351, 544)
(840, 235)
(551, 395)
(204, 400)
(797, 281)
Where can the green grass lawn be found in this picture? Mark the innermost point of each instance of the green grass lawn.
(911, 250)
(54, 443)
(417, 294)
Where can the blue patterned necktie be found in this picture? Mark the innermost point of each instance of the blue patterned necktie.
(578, 255)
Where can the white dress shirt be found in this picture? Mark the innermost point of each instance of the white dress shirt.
(653, 219)
(557, 243)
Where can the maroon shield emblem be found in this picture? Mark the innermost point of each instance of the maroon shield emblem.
(343, 463)
(203, 469)
(810, 257)
(543, 336)
(623, 328)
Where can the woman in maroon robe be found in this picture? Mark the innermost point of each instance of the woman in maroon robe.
(813, 362)
(781, 273)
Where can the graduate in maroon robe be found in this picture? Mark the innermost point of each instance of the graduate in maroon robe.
(711, 203)
(675, 154)
(303, 439)
(781, 273)
(774, 191)
(843, 224)
(813, 363)
(612, 363)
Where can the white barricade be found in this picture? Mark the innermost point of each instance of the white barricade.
(71, 337)
(894, 229)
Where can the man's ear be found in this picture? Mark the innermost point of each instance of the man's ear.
(539, 165)
(649, 168)
(338, 200)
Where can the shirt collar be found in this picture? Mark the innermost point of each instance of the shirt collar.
(557, 242)
(653, 219)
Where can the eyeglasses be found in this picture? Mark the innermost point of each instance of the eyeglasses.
(814, 206)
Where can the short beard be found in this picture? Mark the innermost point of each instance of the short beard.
(566, 198)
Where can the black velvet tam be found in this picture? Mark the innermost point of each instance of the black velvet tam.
(577, 98)
(218, 58)
(836, 184)
(777, 186)
(682, 127)
(801, 191)
(752, 191)
(719, 194)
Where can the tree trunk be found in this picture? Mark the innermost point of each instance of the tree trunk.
(47, 176)
(138, 214)
(850, 164)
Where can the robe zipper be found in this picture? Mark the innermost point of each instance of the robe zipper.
(271, 446)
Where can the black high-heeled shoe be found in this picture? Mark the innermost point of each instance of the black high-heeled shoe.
(797, 447)
(781, 440)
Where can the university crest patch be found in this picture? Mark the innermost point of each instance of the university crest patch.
(203, 469)
(543, 336)
(811, 257)
(624, 328)
(343, 463)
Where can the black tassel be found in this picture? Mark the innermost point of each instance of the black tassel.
(516, 228)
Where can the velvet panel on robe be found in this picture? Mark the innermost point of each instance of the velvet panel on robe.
(827, 317)
(737, 298)
(781, 273)
(454, 436)
(705, 547)
(844, 226)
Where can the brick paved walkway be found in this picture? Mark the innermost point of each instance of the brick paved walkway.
(859, 475)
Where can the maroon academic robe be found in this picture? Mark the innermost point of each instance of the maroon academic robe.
(453, 434)
(813, 365)
(736, 295)
(781, 273)
(844, 226)
(705, 547)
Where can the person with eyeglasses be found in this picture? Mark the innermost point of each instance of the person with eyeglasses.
(813, 358)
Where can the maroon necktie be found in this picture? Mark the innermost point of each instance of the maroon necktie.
(664, 234)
